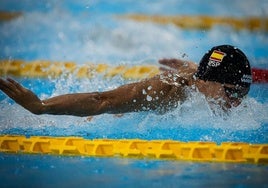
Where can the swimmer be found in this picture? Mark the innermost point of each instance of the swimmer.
(223, 76)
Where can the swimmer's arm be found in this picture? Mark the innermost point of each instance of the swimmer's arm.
(119, 100)
(78, 104)
(178, 65)
(71, 104)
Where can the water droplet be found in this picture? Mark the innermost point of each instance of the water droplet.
(144, 92)
(149, 98)
(184, 55)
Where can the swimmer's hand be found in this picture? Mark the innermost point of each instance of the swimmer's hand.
(178, 66)
(21, 95)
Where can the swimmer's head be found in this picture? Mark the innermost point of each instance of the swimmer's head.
(227, 65)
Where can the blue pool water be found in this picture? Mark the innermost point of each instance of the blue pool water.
(90, 31)
(52, 171)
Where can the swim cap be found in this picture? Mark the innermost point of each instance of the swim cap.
(225, 64)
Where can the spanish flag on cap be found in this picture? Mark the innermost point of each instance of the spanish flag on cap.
(217, 56)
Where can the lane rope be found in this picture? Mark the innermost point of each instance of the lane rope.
(7, 16)
(203, 22)
(156, 149)
(40, 68)
(260, 75)
(54, 69)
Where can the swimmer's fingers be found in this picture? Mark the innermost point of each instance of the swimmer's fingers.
(164, 69)
(8, 88)
(16, 85)
(180, 66)
(25, 97)
(167, 64)
(13, 89)
(12, 86)
(174, 63)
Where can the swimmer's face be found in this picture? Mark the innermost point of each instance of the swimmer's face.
(225, 95)
(234, 94)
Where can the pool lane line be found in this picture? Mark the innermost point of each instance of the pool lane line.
(189, 22)
(203, 22)
(201, 151)
(9, 15)
(41, 68)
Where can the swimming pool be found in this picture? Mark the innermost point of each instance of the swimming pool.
(95, 34)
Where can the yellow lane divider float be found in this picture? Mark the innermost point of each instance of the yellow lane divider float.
(87, 70)
(7, 16)
(45, 69)
(204, 21)
(184, 21)
(158, 149)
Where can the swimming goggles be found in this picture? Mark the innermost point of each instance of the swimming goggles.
(236, 92)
